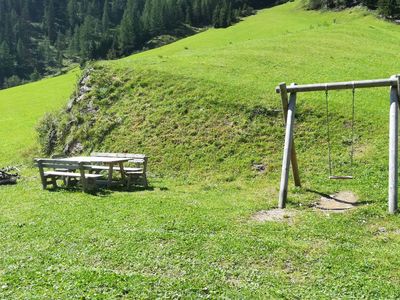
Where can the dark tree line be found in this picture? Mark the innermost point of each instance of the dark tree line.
(388, 8)
(41, 36)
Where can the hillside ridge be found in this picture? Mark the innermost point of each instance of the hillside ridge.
(196, 106)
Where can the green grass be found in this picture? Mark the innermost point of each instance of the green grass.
(205, 110)
(22, 107)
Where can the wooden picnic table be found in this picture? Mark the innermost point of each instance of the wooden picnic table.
(109, 161)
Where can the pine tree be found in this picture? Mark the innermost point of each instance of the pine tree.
(74, 43)
(59, 50)
(22, 52)
(105, 21)
(49, 20)
(216, 17)
(87, 38)
(196, 12)
(389, 8)
(371, 4)
(35, 75)
(72, 12)
(223, 15)
(6, 61)
(92, 29)
(129, 29)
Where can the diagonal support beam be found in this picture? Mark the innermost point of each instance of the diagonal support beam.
(393, 147)
(287, 151)
(293, 155)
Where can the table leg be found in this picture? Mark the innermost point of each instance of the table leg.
(121, 167)
(110, 175)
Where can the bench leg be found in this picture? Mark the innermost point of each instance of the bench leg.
(46, 181)
(137, 179)
(145, 181)
(54, 182)
(129, 182)
(110, 175)
(49, 180)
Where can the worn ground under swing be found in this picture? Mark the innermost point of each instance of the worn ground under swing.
(338, 202)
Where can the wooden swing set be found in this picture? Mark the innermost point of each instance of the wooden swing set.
(289, 98)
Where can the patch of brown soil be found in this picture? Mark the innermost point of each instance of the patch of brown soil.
(273, 215)
(363, 150)
(338, 202)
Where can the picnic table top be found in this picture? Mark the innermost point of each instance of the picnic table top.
(97, 159)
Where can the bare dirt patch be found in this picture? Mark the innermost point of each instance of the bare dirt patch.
(339, 202)
(362, 150)
(273, 215)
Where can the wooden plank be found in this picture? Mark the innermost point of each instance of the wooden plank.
(69, 174)
(133, 158)
(61, 166)
(293, 155)
(119, 155)
(105, 168)
(393, 148)
(340, 177)
(95, 159)
(287, 151)
(341, 85)
(56, 161)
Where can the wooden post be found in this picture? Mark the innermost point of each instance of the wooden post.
(110, 175)
(287, 151)
(41, 172)
(83, 177)
(122, 170)
(393, 147)
(293, 155)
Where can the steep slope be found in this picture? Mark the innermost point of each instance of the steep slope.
(207, 104)
(23, 106)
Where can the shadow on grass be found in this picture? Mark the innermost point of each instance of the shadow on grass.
(102, 191)
(325, 195)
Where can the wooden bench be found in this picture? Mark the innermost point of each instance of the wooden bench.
(65, 169)
(136, 174)
(105, 168)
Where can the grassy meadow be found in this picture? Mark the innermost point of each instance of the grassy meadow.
(22, 107)
(205, 110)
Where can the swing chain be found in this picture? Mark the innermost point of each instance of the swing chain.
(352, 129)
(329, 132)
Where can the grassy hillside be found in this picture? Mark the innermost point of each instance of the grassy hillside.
(207, 102)
(22, 107)
(205, 110)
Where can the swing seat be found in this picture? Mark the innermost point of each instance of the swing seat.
(340, 177)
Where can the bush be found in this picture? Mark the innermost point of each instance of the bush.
(12, 81)
(47, 133)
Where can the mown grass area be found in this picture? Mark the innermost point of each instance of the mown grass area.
(209, 100)
(22, 107)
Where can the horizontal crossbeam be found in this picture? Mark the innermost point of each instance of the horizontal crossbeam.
(340, 85)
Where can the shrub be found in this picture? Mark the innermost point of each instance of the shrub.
(47, 133)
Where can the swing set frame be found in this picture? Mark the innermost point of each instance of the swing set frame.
(289, 98)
